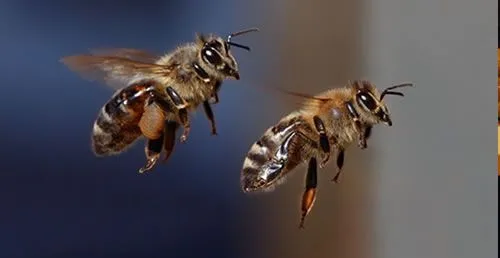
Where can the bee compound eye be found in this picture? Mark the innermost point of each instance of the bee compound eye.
(367, 101)
(216, 44)
(211, 56)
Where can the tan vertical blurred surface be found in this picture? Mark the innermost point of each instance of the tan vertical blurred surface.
(320, 49)
(424, 187)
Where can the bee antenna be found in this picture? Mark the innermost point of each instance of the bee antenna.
(388, 91)
(241, 32)
(238, 45)
(234, 34)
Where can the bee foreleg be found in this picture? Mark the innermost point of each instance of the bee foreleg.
(366, 134)
(340, 164)
(168, 145)
(309, 195)
(323, 140)
(357, 123)
(215, 98)
(183, 116)
(215, 95)
(210, 115)
(181, 105)
(153, 151)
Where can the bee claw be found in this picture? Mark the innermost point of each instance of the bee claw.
(302, 222)
(335, 179)
(184, 135)
(183, 138)
(362, 144)
(324, 162)
(150, 163)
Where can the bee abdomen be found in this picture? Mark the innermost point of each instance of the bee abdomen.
(110, 137)
(272, 155)
(260, 152)
(116, 126)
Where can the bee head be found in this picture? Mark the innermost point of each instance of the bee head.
(215, 53)
(371, 101)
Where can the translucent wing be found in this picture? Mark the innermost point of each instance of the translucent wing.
(129, 53)
(310, 100)
(277, 153)
(116, 71)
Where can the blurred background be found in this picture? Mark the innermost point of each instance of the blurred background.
(425, 187)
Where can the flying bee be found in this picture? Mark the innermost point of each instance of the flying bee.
(155, 94)
(326, 123)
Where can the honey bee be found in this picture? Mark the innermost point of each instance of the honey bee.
(154, 94)
(326, 123)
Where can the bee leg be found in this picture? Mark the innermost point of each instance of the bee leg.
(183, 116)
(323, 140)
(340, 164)
(215, 95)
(153, 151)
(181, 106)
(357, 123)
(366, 134)
(168, 144)
(309, 195)
(152, 121)
(215, 98)
(210, 115)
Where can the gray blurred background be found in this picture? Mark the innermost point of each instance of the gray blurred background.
(425, 187)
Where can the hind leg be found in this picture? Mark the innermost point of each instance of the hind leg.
(154, 147)
(152, 151)
(169, 139)
(309, 195)
(152, 126)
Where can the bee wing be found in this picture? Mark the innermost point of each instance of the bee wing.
(281, 149)
(309, 100)
(129, 53)
(115, 71)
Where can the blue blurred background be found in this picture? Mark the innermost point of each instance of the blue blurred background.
(58, 200)
(424, 188)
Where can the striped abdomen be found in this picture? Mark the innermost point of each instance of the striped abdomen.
(276, 153)
(116, 126)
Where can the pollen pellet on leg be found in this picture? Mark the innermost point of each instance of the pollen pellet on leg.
(152, 122)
